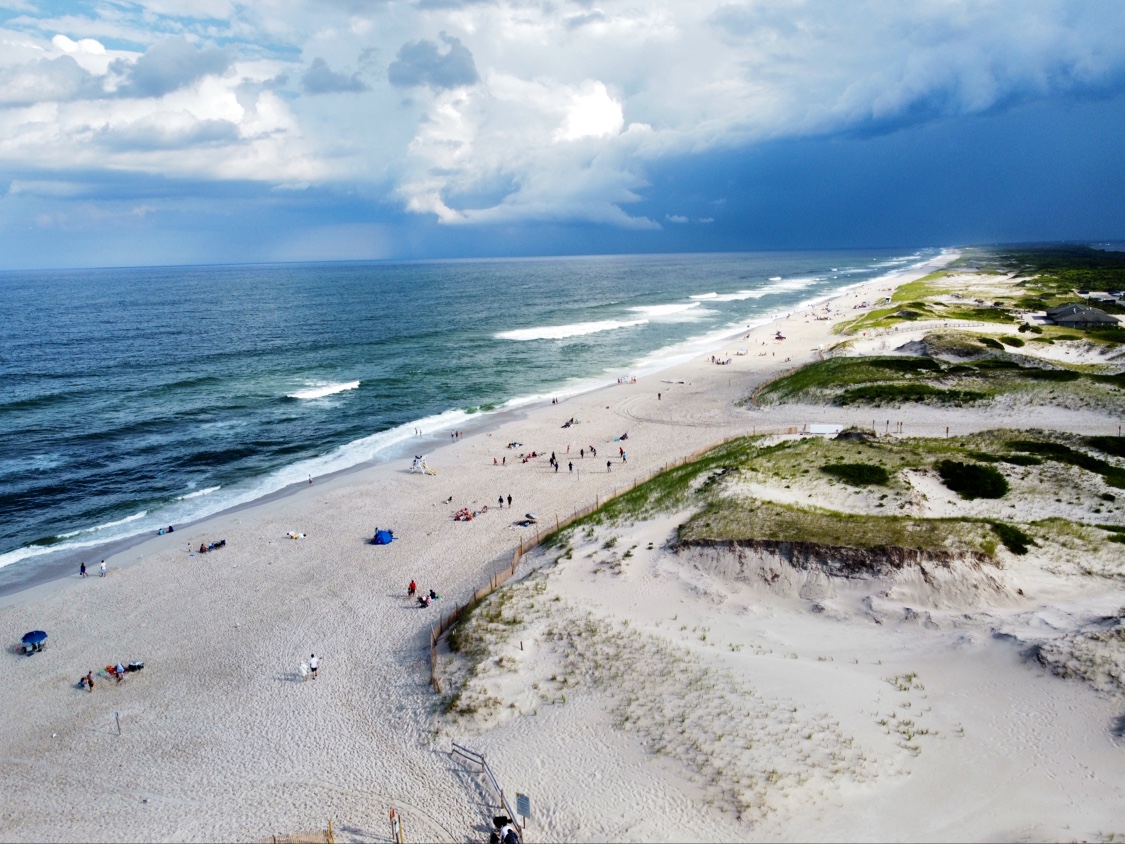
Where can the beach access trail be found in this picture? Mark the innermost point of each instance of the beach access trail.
(219, 736)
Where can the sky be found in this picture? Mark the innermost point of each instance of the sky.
(215, 131)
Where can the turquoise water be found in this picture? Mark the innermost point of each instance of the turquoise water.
(131, 399)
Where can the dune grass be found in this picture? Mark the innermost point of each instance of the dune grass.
(734, 520)
(887, 380)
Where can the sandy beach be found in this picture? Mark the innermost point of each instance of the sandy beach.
(855, 721)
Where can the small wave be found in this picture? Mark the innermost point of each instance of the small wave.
(73, 533)
(711, 295)
(561, 332)
(659, 311)
(124, 521)
(319, 391)
(198, 493)
(775, 278)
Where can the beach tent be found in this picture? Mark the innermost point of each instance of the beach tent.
(382, 537)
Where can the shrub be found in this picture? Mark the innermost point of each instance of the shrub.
(895, 393)
(857, 474)
(1108, 445)
(1011, 341)
(990, 343)
(997, 363)
(906, 364)
(1017, 459)
(1050, 374)
(1014, 539)
(970, 480)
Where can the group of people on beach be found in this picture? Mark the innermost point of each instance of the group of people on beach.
(309, 669)
(423, 600)
(117, 672)
(83, 573)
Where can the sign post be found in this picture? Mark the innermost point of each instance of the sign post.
(523, 807)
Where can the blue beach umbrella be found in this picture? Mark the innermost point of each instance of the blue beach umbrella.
(34, 637)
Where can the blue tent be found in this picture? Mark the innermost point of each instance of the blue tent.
(382, 537)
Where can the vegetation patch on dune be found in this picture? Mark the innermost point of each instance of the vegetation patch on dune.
(744, 519)
(970, 480)
(857, 474)
(732, 490)
(886, 380)
(1048, 450)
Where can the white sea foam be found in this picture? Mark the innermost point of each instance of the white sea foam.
(119, 522)
(561, 332)
(710, 295)
(198, 493)
(319, 391)
(775, 278)
(665, 311)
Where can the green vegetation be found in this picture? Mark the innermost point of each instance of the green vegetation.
(990, 343)
(971, 480)
(896, 380)
(1015, 342)
(1047, 277)
(1113, 475)
(1059, 271)
(749, 519)
(857, 474)
(1014, 539)
(1016, 459)
(1109, 445)
(882, 394)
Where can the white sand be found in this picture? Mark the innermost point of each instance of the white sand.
(220, 740)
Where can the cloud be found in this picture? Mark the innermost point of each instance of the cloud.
(585, 19)
(423, 63)
(675, 218)
(47, 80)
(168, 66)
(320, 79)
(517, 111)
(592, 113)
(168, 131)
(83, 45)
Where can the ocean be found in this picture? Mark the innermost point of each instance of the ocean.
(132, 399)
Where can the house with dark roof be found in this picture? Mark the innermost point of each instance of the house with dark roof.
(1080, 316)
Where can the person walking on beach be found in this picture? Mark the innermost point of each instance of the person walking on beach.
(570, 465)
(582, 453)
(608, 466)
(313, 662)
(411, 589)
(624, 459)
(103, 569)
(500, 502)
(509, 501)
(82, 571)
(89, 681)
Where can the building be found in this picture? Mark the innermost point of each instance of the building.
(1074, 315)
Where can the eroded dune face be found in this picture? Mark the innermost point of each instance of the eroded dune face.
(922, 578)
